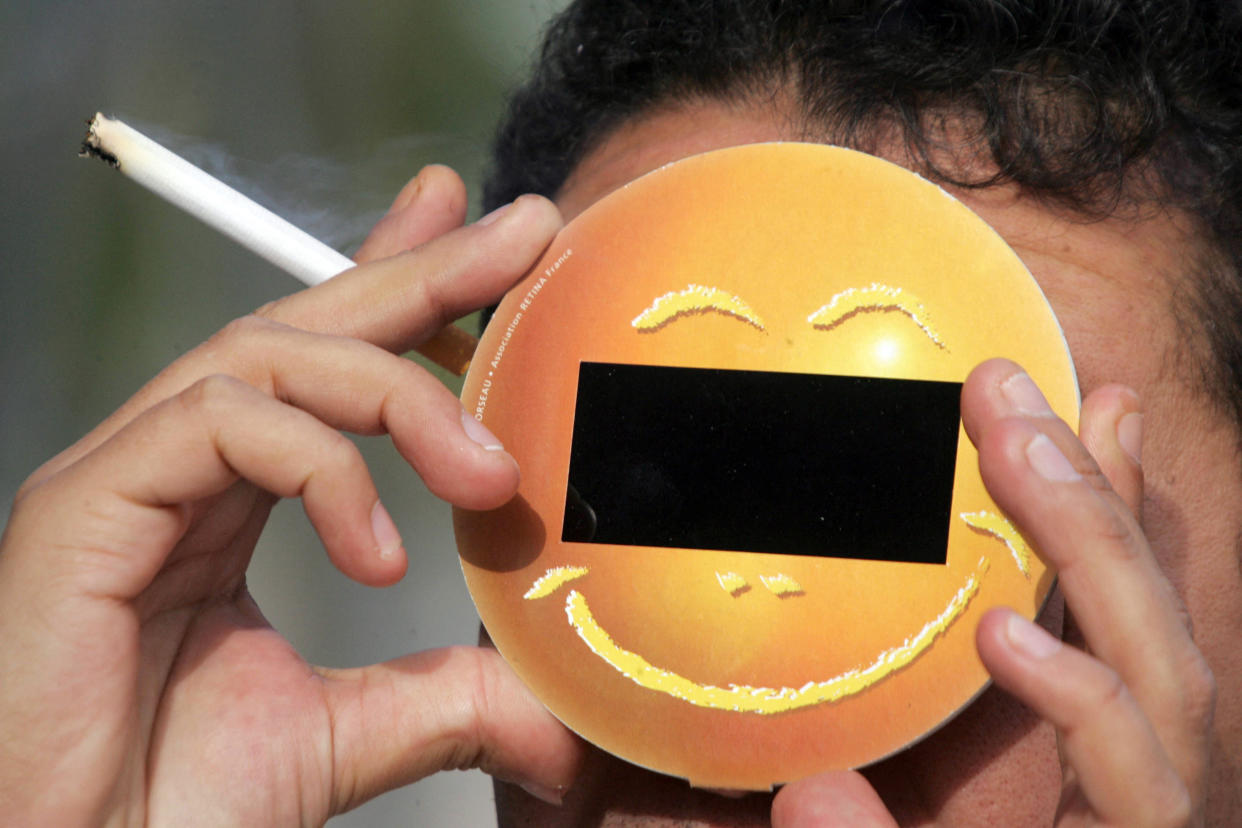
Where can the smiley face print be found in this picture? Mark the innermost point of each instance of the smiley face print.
(751, 542)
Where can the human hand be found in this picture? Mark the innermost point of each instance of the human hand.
(139, 682)
(1133, 711)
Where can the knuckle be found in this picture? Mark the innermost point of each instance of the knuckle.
(472, 739)
(1115, 537)
(241, 327)
(266, 312)
(1121, 532)
(1094, 475)
(238, 348)
(240, 334)
(481, 713)
(430, 295)
(213, 393)
(1111, 691)
(29, 496)
(340, 453)
(1198, 690)
(29, 486)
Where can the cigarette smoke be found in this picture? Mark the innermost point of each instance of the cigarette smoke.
(336, 201)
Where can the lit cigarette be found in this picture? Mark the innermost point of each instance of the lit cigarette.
(260, 230)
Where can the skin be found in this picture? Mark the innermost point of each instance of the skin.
(1002, 761)
(142, 685)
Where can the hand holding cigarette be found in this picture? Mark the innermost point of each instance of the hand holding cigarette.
(243, 220)
(141, 680)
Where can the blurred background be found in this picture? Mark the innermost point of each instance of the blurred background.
(321, 110)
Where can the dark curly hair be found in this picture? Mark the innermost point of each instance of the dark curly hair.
(1091, 105)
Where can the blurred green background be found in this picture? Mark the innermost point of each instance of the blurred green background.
(323, 109)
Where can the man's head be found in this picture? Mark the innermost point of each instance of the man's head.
(1091, 106)
(1102, 140)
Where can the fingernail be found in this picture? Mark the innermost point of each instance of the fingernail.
(1022, 393)
(409, 193)
(387, 538)
(1048, 461)
(552, 796)
(1130, 436)
(494, 215)
(480, 433)
(1030, 639)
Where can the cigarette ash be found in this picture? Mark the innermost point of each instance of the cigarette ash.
(91, 149)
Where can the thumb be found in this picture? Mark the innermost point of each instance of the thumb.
(837, 798)
(453, 708)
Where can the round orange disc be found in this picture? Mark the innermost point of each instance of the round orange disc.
(751, 542)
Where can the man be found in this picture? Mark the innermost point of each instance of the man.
(141, 683)
(1101, 139)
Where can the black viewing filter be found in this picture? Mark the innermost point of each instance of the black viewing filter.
(758, 461)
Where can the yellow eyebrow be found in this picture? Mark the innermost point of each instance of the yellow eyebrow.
(874, 297)
(993, 524)
(694, 299)
(552, 580)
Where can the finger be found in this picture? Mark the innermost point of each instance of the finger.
(115, 515)
(394, 304)
(431, 204)
(360, 388)
(1111, 427)
(1132, 620)
(397, 302)
(840, 798)
(454, 708)
(1121, 767)
(357, 387)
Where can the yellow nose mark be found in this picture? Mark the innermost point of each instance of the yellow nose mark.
(781, 585)
(732, 583)
(874, 298)
(694, 299)
(993, 524)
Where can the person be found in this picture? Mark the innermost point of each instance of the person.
(1102, 139)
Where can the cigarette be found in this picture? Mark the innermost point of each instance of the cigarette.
(256, 228)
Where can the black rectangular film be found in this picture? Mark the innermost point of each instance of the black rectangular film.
(757, 461)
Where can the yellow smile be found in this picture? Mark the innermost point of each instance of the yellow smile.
(768, 700)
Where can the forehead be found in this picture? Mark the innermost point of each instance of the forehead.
(1105, 279)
